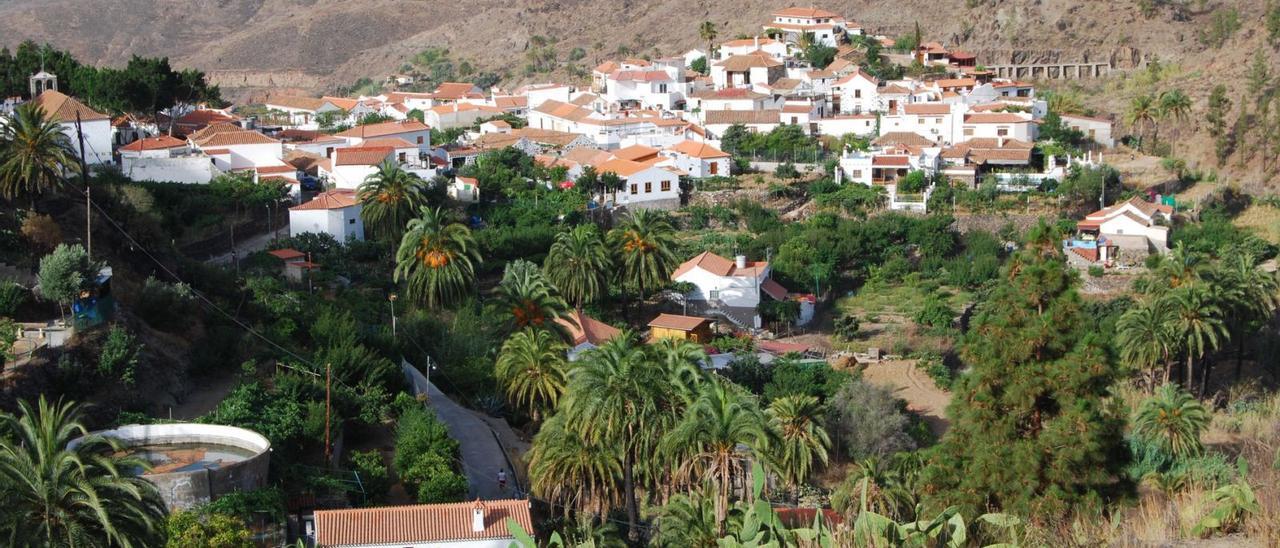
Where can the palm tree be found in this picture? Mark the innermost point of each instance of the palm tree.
(578, 264)
(1174, 103)
(1175, 269)
(58, 494)
(34, 154)
(617, 398)
(1252, 296)
(706, 443)
(579, 472)
(1065, 102)
(707, 31)
(1173, 420)
(390, 196)
(532, 367)
(1142, 112)
(797, 422)
(643, 244)
(1146, 338)
(436, 259)
(531, 301)
(1198, 325)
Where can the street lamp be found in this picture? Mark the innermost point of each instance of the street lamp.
(392, 299)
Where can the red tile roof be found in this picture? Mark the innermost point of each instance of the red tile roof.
(382, 129)
(678, 322)
(585, 329)
(928, 109)
(774, 289)
(636, 153)
(287, 254)
(60, 107)
(154, 143)
(698, 149)
(806, 13)
(995, 118)
(333, 199)
(719, 266)
(433, 523)
(895, 161)
(361, 156)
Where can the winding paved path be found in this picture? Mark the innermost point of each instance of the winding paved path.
(478, 447)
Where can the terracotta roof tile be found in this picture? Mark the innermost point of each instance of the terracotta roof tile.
(60, 107)
(361, 156)
(585, 329)
(698, 149)
(333, 199)
(154, 143)
(926, 109)
(382, 129)
(741, 117)
(294, 102)
(430, 523)
(678, 322)
(748, 61)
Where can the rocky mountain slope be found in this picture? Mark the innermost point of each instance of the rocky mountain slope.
(319, 45)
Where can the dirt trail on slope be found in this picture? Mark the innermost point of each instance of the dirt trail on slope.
(913, 385)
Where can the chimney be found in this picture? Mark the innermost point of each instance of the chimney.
(757, 42)
(477, 517)
(740, 260)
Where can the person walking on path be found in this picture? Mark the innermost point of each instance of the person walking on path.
(502, 480)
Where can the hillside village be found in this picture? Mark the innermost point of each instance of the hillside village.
(810, 286)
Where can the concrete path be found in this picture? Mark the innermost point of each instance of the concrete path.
(481, 455)
(246, 246)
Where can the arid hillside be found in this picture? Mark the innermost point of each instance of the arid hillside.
(320, 45)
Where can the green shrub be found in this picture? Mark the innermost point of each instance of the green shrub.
(12, 298)
(1096, 271)
(816, 379)
(165, 306)
(373, 474)
(846, 326)
(935, 313)
(119, 356)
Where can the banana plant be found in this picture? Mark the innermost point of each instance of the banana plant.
(1232, 503)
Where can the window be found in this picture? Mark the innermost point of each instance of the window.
(857, 94)
(968, 132)
(666, 185)
(937, 120)
(662, 88)
(401, 157)
(715, 294)
(648, 187)
(1002, 131)
(635, 189)
(419, 139)
(794, 120)
(351, 221)
(328, 152)
(857, 174)
(920, 121)
(715, 168)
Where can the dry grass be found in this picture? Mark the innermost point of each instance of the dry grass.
(1262, 220)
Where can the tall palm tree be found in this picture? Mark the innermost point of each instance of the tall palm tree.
(437, 260)
(1141, 113)
(529, 298)
(1065, 102)
(35, 154)
(689, 520)
(390, 196)
(579, 264)
(1175, 269)
(707, 31)
(615, 398)
(532, 367)
(1175, 104)
(1146, 338)
(1198, 324)
(1172, 419)
(643, 245)
(576, 471)
(797, 422)
(706, 443)
(57, 495)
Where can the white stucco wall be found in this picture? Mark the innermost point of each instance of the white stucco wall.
(342, 224)
(654, 178)
(97, 140)
(183, 169)
(733, 290)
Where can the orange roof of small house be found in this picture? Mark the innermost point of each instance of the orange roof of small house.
(418, 523)
(60, 107)
(456, 90)
(747, 61)
(995, 118)
(805, 13)
(927, 109)
(636, 153)
(393, 142)
(678, 322)
(294, 102)
(382, 129)
(232, 138)
(158, 142)
(623, 168)
(756, 42)
(719, 266)
(333, 199)
(344, 103)
(287, 254)
(698, 149)
(585, 329)
(361, 156)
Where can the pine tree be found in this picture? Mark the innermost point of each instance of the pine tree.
(1259, 78)
(1032, 432)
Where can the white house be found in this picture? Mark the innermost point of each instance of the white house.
(933, 121)
(1127, 231)
(335, 212)
(160, 146)
(762, 121)
(729, 285)
(455, 115)
(862, 125)
(465, 189)
(232, 147)
(300, 111)
(61, 108)
(478, 524)
(827, 28)
(858, 93)
(351, 165)
(1097, 130)
(645, 184)
(698, 159)
(660, 86)
(1005, 125)
(748, 70)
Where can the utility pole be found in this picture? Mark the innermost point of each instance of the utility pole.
(88, 203)
(328, 376)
